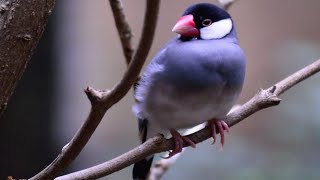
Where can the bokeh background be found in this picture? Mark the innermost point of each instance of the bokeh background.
(81, 47)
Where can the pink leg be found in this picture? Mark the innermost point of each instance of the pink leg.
(178, 143)
(218, 126)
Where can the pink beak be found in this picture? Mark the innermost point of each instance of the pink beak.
(186, 27)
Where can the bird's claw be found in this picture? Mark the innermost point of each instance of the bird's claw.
(218, 126)
(178, 143)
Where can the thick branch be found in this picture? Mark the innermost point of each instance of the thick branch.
(102, 100)
(263, 99)
(22, 23)
(123, 28)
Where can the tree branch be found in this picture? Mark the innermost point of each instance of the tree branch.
(160, 167)
(263, 99)
(22, 23)
(123, 28)
(226, 4)
(102, 100)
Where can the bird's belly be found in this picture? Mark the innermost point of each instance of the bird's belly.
(172, 108)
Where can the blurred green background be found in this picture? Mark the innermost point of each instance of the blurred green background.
(81, 47)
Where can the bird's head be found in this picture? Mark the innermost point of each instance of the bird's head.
(204, 21)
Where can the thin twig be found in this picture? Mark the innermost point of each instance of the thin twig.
(160, 167)
(263, 99)
(123, 28)
(102, 100)
(226, 4)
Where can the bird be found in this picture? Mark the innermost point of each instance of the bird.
(195, 78)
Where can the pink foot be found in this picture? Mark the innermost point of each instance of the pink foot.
(178, 143)
(218, 126)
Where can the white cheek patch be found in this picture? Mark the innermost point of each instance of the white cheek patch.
(216, 30)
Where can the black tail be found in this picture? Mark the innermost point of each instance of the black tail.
(141, 169)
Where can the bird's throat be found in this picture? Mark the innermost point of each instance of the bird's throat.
(185, 38)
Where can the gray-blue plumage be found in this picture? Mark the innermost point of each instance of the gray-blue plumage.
(191, 80)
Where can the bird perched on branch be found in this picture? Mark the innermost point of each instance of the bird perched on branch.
(196, 77)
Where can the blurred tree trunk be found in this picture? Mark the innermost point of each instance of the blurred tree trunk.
(24, 128)
(27, 142)
(22, 23)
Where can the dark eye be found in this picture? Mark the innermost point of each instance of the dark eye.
(206, 22)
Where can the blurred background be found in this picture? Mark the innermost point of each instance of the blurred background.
(81, 47)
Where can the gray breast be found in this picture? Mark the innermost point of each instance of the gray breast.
(170, 107)
(201, 64)
(197, 80)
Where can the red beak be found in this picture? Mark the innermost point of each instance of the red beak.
(186, 27)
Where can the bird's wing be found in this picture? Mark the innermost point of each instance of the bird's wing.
(142, 88)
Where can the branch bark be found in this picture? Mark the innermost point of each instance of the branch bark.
(123, 28)
(101, 101)
(22, 23)
(263, 99)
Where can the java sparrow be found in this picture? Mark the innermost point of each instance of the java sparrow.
(196, 77)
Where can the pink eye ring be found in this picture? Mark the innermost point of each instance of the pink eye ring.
(207, 22)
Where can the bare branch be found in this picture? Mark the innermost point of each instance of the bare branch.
(226, 4)
(118, 163)
(160, 167)
(295, 78)
(263, 99)
(95, 95)
(101, 104)
(21, 26)
(123, 28)
(130, 77)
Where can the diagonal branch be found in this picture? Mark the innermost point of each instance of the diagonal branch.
(123, 28)
(263, 99)
(103, 100)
